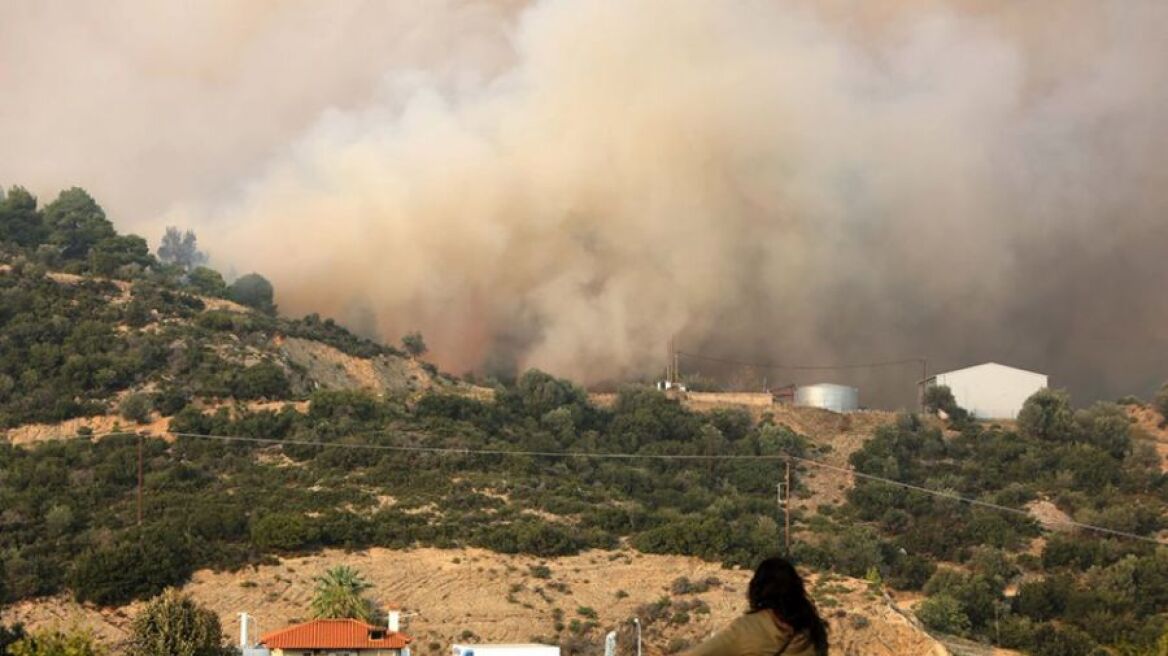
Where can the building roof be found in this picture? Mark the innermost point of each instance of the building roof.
(335, 634)
(508, 644)
(989, 365)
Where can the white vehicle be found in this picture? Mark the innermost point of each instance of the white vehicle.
(530, 649)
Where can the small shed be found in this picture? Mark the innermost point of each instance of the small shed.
(991, 390)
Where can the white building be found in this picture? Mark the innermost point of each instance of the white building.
(528, 649)
(991, 390)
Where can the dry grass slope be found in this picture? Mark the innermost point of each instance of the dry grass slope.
(497, 599)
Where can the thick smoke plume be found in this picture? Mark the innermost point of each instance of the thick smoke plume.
(568, 184)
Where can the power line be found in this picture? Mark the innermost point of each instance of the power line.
(802, 367)
(665, 456)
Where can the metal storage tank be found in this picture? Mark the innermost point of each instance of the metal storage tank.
(838, 398)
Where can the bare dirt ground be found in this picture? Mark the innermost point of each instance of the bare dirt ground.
(477, 596)
(101, 425)
(333, 369)
(1050, 515)
(842, 433)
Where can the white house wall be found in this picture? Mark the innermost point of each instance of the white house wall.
(992, 391)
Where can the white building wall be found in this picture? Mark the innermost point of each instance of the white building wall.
(991, 390)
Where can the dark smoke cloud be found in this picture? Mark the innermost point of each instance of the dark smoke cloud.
(568, 184)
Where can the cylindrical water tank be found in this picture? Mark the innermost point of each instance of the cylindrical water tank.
(838, 398)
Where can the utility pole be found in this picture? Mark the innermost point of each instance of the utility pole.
(140, 441)
(787, 511)
(921, 385)
(785, 503)
(676, 361)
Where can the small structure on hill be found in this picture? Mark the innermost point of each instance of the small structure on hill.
(829, 396)
(339, 636)
(527, 649)
(990, 390)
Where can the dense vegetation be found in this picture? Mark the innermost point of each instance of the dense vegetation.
(135, 335)
(68, 347)
(1081, 589)
(69, 518)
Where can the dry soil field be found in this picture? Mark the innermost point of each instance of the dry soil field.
(453, 595)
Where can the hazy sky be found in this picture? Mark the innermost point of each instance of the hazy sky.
(568, 183)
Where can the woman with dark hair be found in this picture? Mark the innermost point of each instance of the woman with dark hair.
(781, 619)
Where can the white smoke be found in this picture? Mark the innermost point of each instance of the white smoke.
(570, 183)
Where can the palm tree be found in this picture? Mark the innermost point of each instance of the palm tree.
(339, 595)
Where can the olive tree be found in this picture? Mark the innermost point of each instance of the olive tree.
(253, 290)
(1047, 415)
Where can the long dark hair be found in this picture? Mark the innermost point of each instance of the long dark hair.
(776, 586)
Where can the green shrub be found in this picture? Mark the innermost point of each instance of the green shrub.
(57, 643)
(1160, 402)
(170, 401)
(910, 571)
(536, 538)
(207, 282)
(1015, 632)
(10, 635)
(265, 380)
(253, 290)
(1047, 415)
(943, 613)
(1043, 599)
(283, 531)
(682, 585)
(135, 567)
(173, 623)
(136, 407)
(993, 564)
(940, 398)
(1050, 640)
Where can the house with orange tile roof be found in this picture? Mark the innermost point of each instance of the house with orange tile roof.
(336, 637)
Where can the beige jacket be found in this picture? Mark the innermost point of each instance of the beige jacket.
(755, 634)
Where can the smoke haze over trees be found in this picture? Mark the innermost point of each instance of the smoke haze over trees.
(568, 184)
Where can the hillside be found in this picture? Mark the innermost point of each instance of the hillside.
(512, 602)
(264, 439)
(101, 341)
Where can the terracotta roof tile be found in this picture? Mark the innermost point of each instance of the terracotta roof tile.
(334, 634)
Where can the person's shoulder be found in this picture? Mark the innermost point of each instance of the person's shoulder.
(764, 621)
(766, 617)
